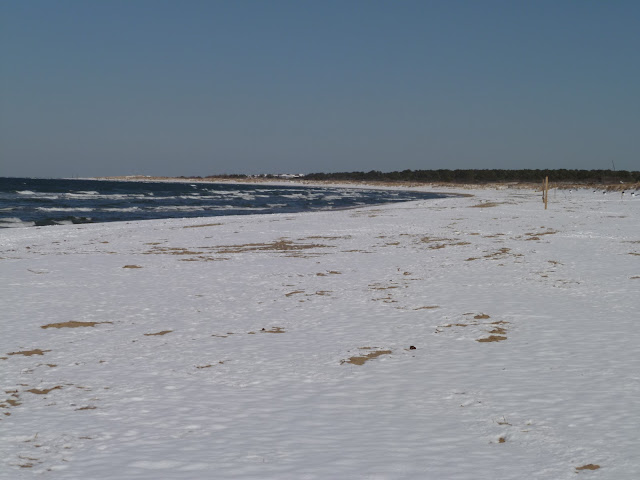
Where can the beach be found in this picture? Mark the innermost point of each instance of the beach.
(466, 337)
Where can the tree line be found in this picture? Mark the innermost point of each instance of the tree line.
(484, 176)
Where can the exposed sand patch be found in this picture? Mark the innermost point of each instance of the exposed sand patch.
(282, 245)
(387, 299)
(502, 253)
(590, 466)
(436, 239)
(295, 292)
(383, 287)
(492, 338)
(204, 258)
(13, 401)
(171, 251)
(28, 353)
(540, 234)
(360, 360)
(427, 307)
(487, 204)
(203, 225)
(72, 324)
(498, 331)
(132, 266)
(325, 237)
(536, 236)
(164, 332)
(44, 391)
(273, 330)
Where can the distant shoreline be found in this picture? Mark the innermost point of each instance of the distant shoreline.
(371, 184)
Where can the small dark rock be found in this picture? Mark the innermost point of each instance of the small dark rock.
(412, 347)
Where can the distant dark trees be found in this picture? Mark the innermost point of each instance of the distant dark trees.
(484, 176)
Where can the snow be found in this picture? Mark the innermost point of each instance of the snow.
(279, 346)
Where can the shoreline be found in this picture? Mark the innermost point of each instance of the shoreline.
(382, 184)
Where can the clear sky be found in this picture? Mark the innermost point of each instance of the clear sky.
(202, 87)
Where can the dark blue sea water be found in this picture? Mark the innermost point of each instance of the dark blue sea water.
(29, 202)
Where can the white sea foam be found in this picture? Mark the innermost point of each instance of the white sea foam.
(65, 209)
(203, 208)
(99, 196)
(123, 209)
(331, 198)
(13, 222)
(178, 208)
(223, 192)
(247, 209)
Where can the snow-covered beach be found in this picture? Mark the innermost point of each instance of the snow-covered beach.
(456, 338)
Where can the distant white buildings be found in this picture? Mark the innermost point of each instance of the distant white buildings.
(278, 175)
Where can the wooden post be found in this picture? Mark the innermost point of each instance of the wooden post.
(546, 191)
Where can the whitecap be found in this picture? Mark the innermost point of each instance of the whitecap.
(65, 209)
(125, 209)
(14, 222)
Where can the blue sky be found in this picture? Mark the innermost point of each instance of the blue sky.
(207, 87)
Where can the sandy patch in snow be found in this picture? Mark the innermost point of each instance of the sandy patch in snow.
(361, 359)
(72, 324)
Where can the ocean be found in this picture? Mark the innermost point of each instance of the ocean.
(42, 202)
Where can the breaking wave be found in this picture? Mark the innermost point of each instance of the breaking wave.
(42, 202)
